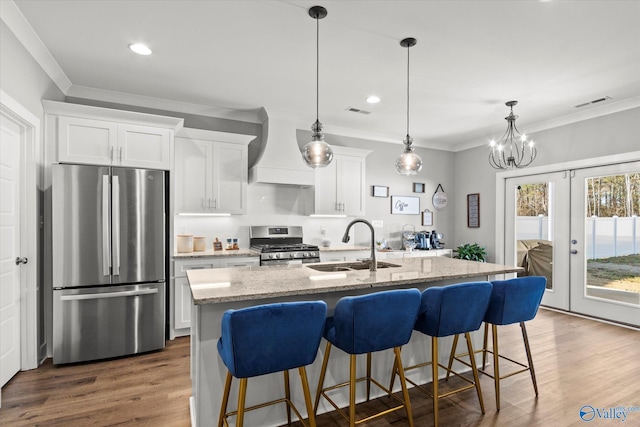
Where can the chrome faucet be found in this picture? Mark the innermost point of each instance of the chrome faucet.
(345, 239)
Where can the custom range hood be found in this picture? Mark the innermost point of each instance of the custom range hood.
(278, 158)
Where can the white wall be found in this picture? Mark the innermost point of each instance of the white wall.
(615, 133)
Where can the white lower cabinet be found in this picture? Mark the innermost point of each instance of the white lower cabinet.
(181, 300)
(339, 256)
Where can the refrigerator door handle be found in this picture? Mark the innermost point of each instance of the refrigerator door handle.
(116, 224)
(106, 258)
(109, 295)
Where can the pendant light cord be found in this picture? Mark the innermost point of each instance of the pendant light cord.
(317, 67)
(408, 90)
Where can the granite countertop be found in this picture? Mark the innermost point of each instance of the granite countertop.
(344, 248)
(254, 283)
(211, 253)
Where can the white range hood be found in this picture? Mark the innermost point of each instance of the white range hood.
(281, 160)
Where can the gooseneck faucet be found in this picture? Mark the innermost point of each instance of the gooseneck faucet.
(345, 239)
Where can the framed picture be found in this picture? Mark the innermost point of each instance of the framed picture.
(379, 191)
(473, 210)
(418, 187)
(427, 217)
(405, 205)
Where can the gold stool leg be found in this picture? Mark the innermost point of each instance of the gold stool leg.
(242, 394)
(496, 367)
(434, 373)
(352, 391)
(307, 396)
(403, 383)
(394, 371)
(287, 395)
(474, 368)
(225, 398)
(323, 371)
(529, 358)
(454, 346)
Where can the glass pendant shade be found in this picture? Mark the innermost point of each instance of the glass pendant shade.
(317, 153)
(408, 163)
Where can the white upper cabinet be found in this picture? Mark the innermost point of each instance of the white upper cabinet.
(211, 172)
(102, 136)
(340, 188)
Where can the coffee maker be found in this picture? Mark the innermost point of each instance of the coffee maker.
(434, 240)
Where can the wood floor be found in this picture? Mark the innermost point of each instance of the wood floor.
(578, 362)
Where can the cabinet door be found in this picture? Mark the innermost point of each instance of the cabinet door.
(86, 141)
(144, 147)
(351, 175)
(193, 175)
(230, 168)
(182, 304)
(326, 191)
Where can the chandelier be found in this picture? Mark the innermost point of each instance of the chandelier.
(408, 163)
(513, 150)
(317, 153)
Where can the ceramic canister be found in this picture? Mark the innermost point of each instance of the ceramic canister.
(199, 243)
(185, 243)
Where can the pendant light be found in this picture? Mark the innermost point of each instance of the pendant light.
(512, 149)
(317, 153)
(409, 163)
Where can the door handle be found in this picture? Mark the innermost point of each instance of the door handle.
(574, 251)
(115, 226)
(23, 260)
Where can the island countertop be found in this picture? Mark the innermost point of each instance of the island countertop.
(254, 283)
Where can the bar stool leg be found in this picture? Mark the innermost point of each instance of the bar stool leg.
(434, 373)
(368, 375)
(529, 358)
(242, 394)
(287, 395)
(394, 371)
(403, 382)
(496, 365)
(307, 396)
(323, 371)
(352, 391)
(454, 346)
(225, 398)
(474, 368)
(484, 345)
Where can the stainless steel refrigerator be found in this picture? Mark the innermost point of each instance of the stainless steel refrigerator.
(109, 253)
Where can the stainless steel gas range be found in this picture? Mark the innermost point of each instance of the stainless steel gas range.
(282, 245)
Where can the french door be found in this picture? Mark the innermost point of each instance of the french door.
(580, 229)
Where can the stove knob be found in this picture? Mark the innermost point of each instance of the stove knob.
(277, 255)
(312, 254)
(291, 254)
(306, 254)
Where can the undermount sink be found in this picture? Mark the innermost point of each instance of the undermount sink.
(348, 266)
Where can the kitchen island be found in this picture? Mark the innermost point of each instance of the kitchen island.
(216, 290)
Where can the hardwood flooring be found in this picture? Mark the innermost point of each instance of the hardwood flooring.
(578, 362)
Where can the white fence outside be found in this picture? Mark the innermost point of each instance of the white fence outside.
(605, 237)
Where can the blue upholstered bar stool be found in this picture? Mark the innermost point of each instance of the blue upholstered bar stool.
(512, 301)
(270, 338)
(363, 325)
(444, 311)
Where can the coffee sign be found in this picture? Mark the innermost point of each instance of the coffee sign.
(439, 198)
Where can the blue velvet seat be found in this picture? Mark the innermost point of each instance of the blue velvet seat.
(270, 338)
(444, 311)
(363, 325)
(512, 301)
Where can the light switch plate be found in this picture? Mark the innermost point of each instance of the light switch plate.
(377, 223)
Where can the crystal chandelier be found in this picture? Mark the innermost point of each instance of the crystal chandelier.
(409, 163)
(317, 153)
(513, 150)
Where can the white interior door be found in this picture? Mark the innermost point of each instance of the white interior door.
(605, 233)
(537, 231)
(10, 357)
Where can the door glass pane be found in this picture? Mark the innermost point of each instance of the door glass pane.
(612, 231)
(534, 229)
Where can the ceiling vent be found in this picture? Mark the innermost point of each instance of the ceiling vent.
(357, 110)
(595, 101)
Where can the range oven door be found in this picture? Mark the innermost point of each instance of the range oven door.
(297, 261)
(101, 322)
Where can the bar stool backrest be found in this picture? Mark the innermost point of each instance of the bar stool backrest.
(515, 300)
(453, 309)
(271, 337)
(374, 322)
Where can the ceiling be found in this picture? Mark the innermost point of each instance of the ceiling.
(471, 57)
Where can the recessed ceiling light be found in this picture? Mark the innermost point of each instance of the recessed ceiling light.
(140, 49)
(373, 99)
